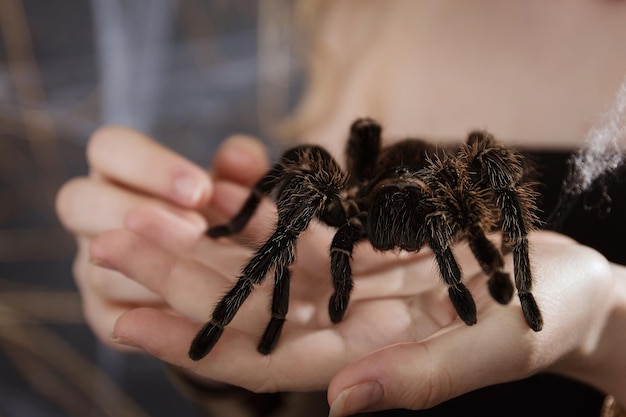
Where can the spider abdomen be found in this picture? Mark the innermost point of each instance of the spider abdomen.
(396, 217)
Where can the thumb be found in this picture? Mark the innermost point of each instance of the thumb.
(423, 374)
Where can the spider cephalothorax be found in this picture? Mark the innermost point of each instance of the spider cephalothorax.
(399, 197)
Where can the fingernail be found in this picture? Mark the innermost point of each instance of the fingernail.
(188, 189)
(122, 341)
(359, 398)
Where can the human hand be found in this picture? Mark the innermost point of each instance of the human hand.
(397, 298)
(130, 173)
(583, 300)
(192, 283)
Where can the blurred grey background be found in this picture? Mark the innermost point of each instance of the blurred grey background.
(187, 72)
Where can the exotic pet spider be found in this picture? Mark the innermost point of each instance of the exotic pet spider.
(398, 197)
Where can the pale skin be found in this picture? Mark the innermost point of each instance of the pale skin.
(149, 278)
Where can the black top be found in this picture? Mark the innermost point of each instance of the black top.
(545, 394)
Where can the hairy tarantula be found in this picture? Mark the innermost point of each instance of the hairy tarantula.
(398, 197)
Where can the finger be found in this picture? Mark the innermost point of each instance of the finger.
(128, 157)
(168, 337)
(101, 316)
(106, 284)
(422, 375)
(162, 226)
(304, 360)
(87, 206)
(177, 236)
(191, 288)
(241, 159)
(154, 268)
(106, 295)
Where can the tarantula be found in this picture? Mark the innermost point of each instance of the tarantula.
(398, 197)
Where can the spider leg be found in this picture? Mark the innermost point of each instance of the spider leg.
(262, 188)
(516, 233)
(280, 305)
(341, 270)
(237, 223)
(363, 149)
(279, 250)
(491, 262)
(504, 172)
(225, 311)
(439, 237)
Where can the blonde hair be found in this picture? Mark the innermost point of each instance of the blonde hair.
(315, 26)
(317, 57)
(305, 21)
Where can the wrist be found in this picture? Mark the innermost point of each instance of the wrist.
(604, 366)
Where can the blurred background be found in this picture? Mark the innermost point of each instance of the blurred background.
(187, 72)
